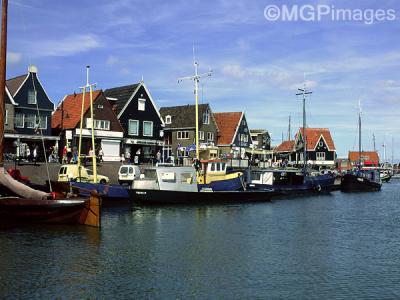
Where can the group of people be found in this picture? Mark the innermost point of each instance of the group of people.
(70, 156)
(137, 158)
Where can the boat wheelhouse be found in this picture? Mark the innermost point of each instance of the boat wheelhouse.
(214, 175)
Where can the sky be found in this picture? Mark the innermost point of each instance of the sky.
(257, 64)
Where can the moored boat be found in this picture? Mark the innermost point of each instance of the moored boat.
(178, 185)
(213, 174)
(287, 181)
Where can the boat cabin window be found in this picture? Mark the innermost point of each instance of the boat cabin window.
(223, 165)
(218, 167)
(213, 167)
(168, 177)
(187, 178)
(255, 176)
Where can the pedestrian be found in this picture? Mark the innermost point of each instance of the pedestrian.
(28, 153)
(64, 155)
(128, 156)
(101, 154)
(35, 154)
(158, 155)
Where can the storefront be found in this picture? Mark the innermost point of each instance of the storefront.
(141, 150)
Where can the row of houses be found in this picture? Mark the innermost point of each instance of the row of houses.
(127, 122)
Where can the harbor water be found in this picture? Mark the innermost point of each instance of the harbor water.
(337, 246)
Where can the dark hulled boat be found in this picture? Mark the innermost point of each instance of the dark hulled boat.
(361, 180)
(178, 185)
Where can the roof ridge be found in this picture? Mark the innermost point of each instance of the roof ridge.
(23, 75)
(123, 86)
(185, 105)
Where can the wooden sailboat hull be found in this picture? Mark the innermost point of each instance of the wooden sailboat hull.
(354, 183)
(16, 210)
(159, 197)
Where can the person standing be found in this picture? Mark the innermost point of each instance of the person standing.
(101, 154)
(158, 156)
(35, 154)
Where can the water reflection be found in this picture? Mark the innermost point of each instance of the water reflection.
(340, 246)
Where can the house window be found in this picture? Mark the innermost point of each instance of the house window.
(100, 106)
(201, 135)
(30, 121)
(206, 117)
(6, 118)
(102, 124)
(32, 97)
(168, 119)
(19, 120)
(182, 135)
(244, 138)
(147, 128)
(141, 104)
(133, 128)
(43, 122)
(244, 123)
(321, 143)
(320, 155)
(210, 136)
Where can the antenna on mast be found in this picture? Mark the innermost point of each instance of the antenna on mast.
(289, 130)
(196, 78)
(373, 140)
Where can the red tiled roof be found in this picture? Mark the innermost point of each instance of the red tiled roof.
(13, 84)
(365, 156)
(72, 105)
(313, 136)
(286, 146)
(227, 123)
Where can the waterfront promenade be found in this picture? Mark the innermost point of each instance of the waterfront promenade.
(37, 173)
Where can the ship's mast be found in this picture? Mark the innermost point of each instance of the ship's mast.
(3, 59)
(196, 78)
(359, 135)
(84, 89)
(304, 92)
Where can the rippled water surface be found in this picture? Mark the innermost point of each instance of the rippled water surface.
(338, 246)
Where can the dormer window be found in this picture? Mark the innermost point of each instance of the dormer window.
(32, 96)
(141, 104)
(168, 119)
(206, 117)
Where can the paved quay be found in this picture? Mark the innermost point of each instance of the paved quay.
(37, 173)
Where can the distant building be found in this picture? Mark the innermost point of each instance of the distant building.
(180, 131)
(285, 151)
(261, 139)
(320, 147)
(368, 158)
(108, 132)
(234, 134)
(28, 111)
(139, 116)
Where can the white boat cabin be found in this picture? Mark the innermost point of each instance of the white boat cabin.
(181, 179)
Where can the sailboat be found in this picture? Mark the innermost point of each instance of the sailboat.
(19, 203)
(289, 181)
(359, 179)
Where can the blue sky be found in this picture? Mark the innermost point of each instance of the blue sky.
(257, 64)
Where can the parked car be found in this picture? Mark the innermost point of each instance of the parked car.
(71, 172)
(128, 173)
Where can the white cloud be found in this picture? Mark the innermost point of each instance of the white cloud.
(14, 57)
(66, 46)
(112, 60)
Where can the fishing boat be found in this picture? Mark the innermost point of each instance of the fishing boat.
(178, 185)
(19, 203)
(385, 175)
(359, 179)
(289, 181)
(213, 175)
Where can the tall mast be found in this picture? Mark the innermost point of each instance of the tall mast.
(359, 135)
(373, 140)
(84, 88)
(196, 78)
(304, 92)
(3, 59)
(289, 129)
